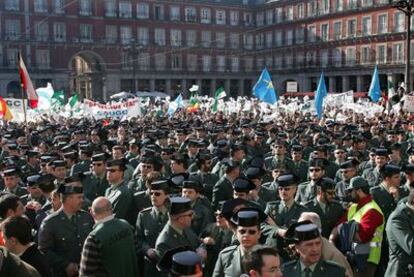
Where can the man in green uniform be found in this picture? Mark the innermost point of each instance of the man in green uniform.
(118, 193)
(62, 234)
(372, 175)
(203, 175)
(308, 244)
(32, 166)
(300, 166)
(348, 170)
(11, 182)
(307, 190)
(181, 261)
(280, 158)
(223, 189)
(84, 165)
(109, 248)
(400, 234)
(96, 180)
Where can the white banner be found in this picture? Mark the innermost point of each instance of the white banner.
(339, 99)
(127, 109)
(16, 108)
(409, 103)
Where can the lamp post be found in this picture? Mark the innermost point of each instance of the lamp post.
(407, 7)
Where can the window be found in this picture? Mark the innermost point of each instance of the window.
(366, 26)
(366, 3)
(382, 24)
(159, 36)
(142, 11)
(59, 31)
(247, 19)
(336, 57)
(311, 33)
(143, 61)
(337, 32)
(158, 12)
(351, 28)
(339, 5)
(269, 17)
(58, 6)
(278, 38)
(175, 13)
(111, 33)
(206, 38)
(260, 18)
(41, 31)
(260, 41)
(205, 16)
(176, 61)
(234, 18)
(221, 63)
(324, 58)
(248, 41)
(350, 56)
(206, 63)
(269, 40)
(325, 32)
(289, 37)
(311, 58)
(365, 55)
(234, 41)
(12, 29)
(125, 9)
(288, 60)
(110, 8)
(300, 60)
(248, 64)
(126, 34)
(220, 40)
(143, 36)
(234, 64)
(86, 32)
(85, 7)
(220, 17)
(278, 62)
(300, 35)
(192, 62)
(126, 60)
(160, 61)
(11, 55)
(190, 14)
(191, 37)
(381, 54)
(325, 6)
(301, 10)
(397, 53)
(11, 5)
(352, 4)
(279, 15)
(312, 8)
(289, 13)
(399, 21)
(175, 37)
(40, 6)
(42, 58)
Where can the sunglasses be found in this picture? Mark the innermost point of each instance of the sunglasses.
(155, 193)
(146, 166)
(250, 232)
(284, 188)
(314, 169)
(96, 164)
(112, 170)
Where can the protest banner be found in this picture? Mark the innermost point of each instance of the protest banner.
(16, 108)
(118, 110)
(339, 99)
(409, 103)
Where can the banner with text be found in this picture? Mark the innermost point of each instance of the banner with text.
(409, 103)
(16, 108)
(339, 99)
(127, 109)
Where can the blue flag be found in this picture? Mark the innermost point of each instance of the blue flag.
(264, 89)
(321, 92)
(173, 107)
(374, 89)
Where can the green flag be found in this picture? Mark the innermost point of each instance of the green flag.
(220, 93)
(73, 100)
(58, 98)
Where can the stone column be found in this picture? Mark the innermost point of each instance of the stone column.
(227, 86)
(360, 83)
(345, 83)
(213, 87)
(241, 91)
(168, 86)
(332, 84)
(152, 85)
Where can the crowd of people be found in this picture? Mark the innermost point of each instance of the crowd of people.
(209, 194)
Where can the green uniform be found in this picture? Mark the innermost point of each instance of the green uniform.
(82, 166)
(201, 218)
(328, 213)
(400, 234)
(365, 165)
(149, 225)
(373, 176)
(300, 169)
(385, 200)
(322, 269)
(275, 162)
(28, 170)
(223, 190)
(207, 180)
(61, 239)
(330, 169)
(306, 192)
(136, 185)
(142, 200)
(229, 262)
(19, 191)
(121, 199)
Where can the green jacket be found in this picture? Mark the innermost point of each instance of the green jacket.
(329, 217)
(229, 262)
(385, 200)
(14, 266)
(207, 180)
(400, 235)
(322, 269)
(121, 199)
(82, 166)
(306, 192)
(223, 190)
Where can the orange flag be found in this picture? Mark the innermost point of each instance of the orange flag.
(5, 110)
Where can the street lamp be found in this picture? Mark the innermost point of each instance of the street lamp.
(407, 7)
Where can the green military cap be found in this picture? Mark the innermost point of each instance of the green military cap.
(176, 180)
(99, 157)
(358, 182)
(228, 208)
(381, 152)
(67, 189)
(59, 163)
(318, 162)
(296, 148)
(179, 205)
(32, 153)
(248, 217)
(192, 185)
(160, 185)
(10, 172)
(347, 164)
(242, 184)
(389, 170)
(77, 177)
(180, 261)
(286, 180)
(290, 232)
(33, 180)
(408, 168)
(119, 162)
(254, 173)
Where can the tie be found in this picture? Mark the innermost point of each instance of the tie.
(308, 272)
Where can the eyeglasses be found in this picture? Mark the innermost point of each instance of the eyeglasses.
(97, 164)
(314, 169)
(155, 193)
(244, 231)
(146, 166)
(284, 188)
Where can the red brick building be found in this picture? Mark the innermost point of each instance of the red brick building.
(101, 47)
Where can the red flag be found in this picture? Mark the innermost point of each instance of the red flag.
(27, 84)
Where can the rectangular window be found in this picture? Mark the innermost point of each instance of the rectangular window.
(339, 6)
(191, 37)
(312, 8)
(111, 33)
(86, 32)
(248, 64)
(248, 41)
(325, 32)
(221, 17)
(59, 31)
(324, 58)
(351, 32)
(221, 63)
(367, 3)
(269, 40)
(278, 38)
(381, 54)
(399, 22)
(110, 8)
(289, 37)
(325, 6)
(126, 34)
(42, 58)
(58, 6)
(11, 5)
(159, 36)
(278, 62)
(337, 32)
(206, 38)
(41, 31)
(175, 13)
(142, 11)
(160, 61)
(40, 6)
(12, 29)
(85, 7)
(366, 26)
(269, 17)
(125, 9)
(397, 53)
(11, 55)
(311, 33)
(126, 60)
(234, 18)
(300, 60)
(301, 10)
(206, 63)
(143, 36)
(279, 15)
(289, 13)
(365, 55)
(176, 61)
(382, 24)
(300, 35)
(235, 64)
(234, 41)
(175, 37)
(220, 40)
(192, 62)
(247, 19)
(311, 58)
(205, 16)
(144, 61)
(260, 19)
(289, 60)
(352, 4)
(336, 57)
(350, 56)
(260, 41)
(158, 12)
(190, 14)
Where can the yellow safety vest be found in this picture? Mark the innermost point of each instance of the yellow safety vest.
(375, 243)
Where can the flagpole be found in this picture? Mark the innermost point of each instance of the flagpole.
(23, 94)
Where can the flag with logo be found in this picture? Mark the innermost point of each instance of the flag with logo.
(264, 89)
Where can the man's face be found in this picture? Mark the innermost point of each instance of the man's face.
(280, 150)
(34, 191)
(59, 172)
(240, 195)
(329, 195)
(394, 180)
(296, 155)
(348, 173)
(74, 201)
(146, 168)
(185, 219)
(270, 268)
(158, 197)
(310, 251)
(10, 181)
(239, 155)
(114, 174)
(98, 167)
(340, 155)
(117, 154)
(395, 155)
(287, 193)
(248, 236)
(192, 149)
(176, 167)
(315, 173)
(190, 193)
(206, 166)
(380, 161)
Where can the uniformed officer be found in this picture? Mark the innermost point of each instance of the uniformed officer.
(142, 199)
(62, 234)
(59, 171)
(229, 262)
(348, 170)
(307, 190)
(177, 232)
(97, 179)
(203, 175)
(400, 234)
(32, 166)
(372, 175)
(325, 206)
(262, 261)
(308, 244)
(223, 189)
(11, 182)
(181, 262)
(260, 194)
(279, 159)
(300, 168)
(34, 200)
(149, 224)
(84, 164)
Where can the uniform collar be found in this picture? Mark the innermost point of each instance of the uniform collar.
(105, 219)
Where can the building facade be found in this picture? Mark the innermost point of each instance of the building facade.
(101, 47)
